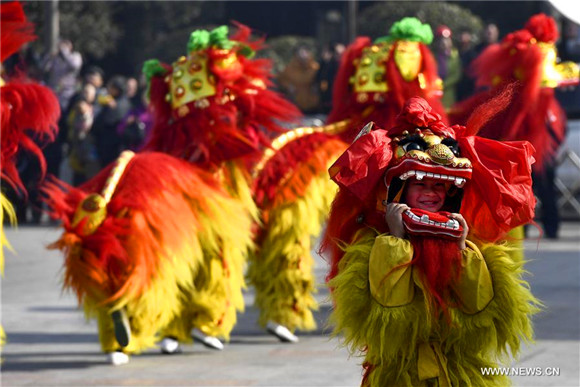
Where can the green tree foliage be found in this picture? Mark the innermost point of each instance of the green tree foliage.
(88, 24)
(163, 28)
(122, 35)
(375, 20)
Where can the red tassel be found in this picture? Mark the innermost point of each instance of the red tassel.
(439, 262)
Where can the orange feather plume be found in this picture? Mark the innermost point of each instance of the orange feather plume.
(152, 215)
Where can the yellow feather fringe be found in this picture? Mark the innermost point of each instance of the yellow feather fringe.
(282, 268)
(226, 238)
(153, 309)
(388, 338)
(515, 243)
(6, 208)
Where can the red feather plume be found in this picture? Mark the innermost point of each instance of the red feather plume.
(15, 29)
(28, 114)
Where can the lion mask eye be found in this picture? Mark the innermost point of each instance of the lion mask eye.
(452, 144)
(413, 143)
(412, 146)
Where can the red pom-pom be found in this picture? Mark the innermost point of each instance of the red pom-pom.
(417, 113)
(543, 28)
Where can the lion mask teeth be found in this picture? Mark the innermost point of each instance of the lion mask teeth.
(419, 175)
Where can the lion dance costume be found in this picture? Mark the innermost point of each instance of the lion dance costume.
(376, 78)
(226, 127)
(156, 244)
(420, 311)
(28, 112)
(291, 186)
(528, 58)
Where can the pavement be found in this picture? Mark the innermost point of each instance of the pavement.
(49, 343)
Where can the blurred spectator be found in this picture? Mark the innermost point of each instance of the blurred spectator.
(134, 129)
(466, 84)
(133, 90)
(83, 155)
(448, 64)
(115, 106)
(329, 64)
(297, 80)
(490, 36)
(465, 41)
(61, 71)
(570, 44)
(93, 75)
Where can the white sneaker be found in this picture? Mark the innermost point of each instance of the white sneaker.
(209, 341)
(281, 332)
(117, 358)
(169, 346)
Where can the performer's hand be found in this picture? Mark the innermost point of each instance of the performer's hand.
(463, 223)
(395, 220)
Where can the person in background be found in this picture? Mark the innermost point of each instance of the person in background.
(329, 64)
(133, 91)
(115, 106)
(570, 45)
(135, 127)
(95, 76)
(61, 71)
(448, 64)
(466, 84)
(297, 80)
(490, 36)
(83, 156)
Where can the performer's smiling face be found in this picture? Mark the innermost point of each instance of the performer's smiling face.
(426, 194)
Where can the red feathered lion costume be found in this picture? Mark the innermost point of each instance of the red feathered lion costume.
(26, 108)
(215, 105)
(375, 79)
(528, 58)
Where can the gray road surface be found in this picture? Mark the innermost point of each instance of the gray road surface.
(50, 343)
